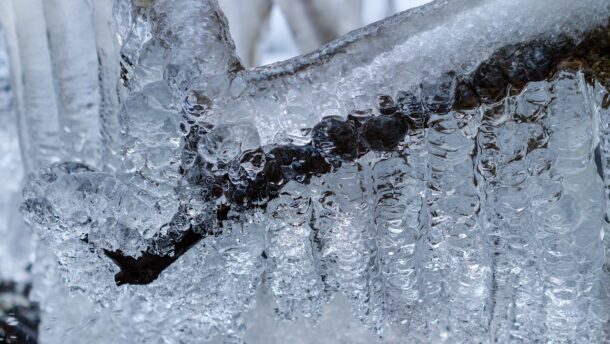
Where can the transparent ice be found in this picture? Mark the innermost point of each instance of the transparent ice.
(356, 194)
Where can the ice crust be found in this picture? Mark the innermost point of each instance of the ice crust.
(341, 189)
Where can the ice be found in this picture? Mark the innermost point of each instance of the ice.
(19, 316)
(413, 48)
(295, 277)
(562, 196)
(40, 106)
(440, 176)
(12, 266)
(348, 247)
(74, 61)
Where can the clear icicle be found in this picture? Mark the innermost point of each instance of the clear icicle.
(75, 75)
(293, 275)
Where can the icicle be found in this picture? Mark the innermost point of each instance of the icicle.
(107, 46)
(39, 118)
(75, 74)
(293, 275)
(348, 247)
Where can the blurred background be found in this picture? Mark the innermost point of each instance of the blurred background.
(267, 31)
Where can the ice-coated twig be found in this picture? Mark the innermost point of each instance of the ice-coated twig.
(206, 145)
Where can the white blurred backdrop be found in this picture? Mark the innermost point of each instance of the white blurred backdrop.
(267, 31)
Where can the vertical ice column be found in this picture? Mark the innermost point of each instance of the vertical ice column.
(15, 236)
(543, 213)
(600, 102)
(293, 275)
(71, 34)
(573, 254)
(41, 143)
(398, 188)
(455, 262)
(512, 185)
(57, 81)
(348, 246)
(107, 45)
(397, 205)
(39, 119)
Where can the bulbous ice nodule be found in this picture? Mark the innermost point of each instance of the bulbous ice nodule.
(336, 139)
(253, 161)
(226, 142)
(383, 132)
(197, 103)
(409, 102)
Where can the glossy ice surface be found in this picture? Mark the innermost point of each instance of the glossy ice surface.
(440, 176)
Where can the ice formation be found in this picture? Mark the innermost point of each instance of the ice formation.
(18, 314)
(441, 176)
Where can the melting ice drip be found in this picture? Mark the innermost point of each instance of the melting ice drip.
(437, 168)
